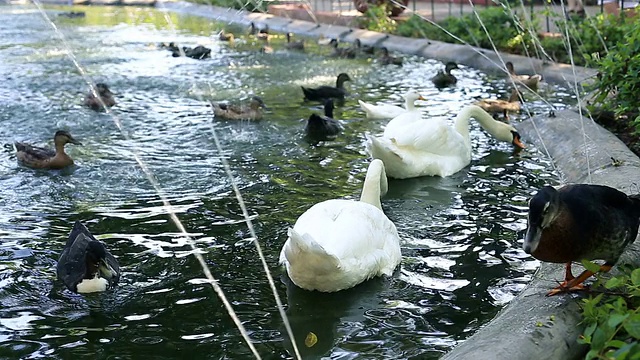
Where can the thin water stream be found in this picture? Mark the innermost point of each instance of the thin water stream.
(462, 258)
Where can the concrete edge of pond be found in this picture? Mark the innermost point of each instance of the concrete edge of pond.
(482, 59)
(532, 325)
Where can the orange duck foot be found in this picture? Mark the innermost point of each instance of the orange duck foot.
(571, 284)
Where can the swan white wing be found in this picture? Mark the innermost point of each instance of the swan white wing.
(432, 136)
(405, 161)
(358, 240)
(381, 111)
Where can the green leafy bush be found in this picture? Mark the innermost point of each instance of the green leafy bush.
(618, 81)
(502, 28)
(613, 321)
(377, 18)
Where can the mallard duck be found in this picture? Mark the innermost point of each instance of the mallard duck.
(501, 106)
(530, 81)
(326, 92)
(411, 147)
(43, 158)
(260, 34)
(365, 49)
(225, 36)
(170, 46)
(106, 98)
(73, 14)
(386, 59)
(251, 112)
(199, 52)
(294, 45)
(86, 265)
(323, 128)
(337, 244)
(388, 111)
(445, 78)
(580, 222)
(347, 53)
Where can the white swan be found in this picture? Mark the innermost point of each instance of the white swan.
(388, 111)
(411, 148)
(337, 244)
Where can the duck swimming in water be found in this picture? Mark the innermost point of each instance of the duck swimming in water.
(86, 265)
(252, 111)
(326, 92)
(44, 158)
(322, 128)
(580, 222)
(105, 95)
(445, 78)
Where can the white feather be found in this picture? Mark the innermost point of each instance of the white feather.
(388, 111)
(92, 285)
(412, 147)
(337, 244)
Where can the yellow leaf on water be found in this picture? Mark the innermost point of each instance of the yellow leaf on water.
(311, 339)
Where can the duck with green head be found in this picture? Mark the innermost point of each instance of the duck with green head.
(44, 158)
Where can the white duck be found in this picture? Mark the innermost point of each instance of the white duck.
(388, 111)
(412, 148)
(337, 244)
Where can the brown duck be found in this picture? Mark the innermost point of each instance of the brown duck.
(580, 222)
(43, 158)
(105, 94)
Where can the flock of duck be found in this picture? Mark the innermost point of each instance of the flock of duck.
(337, 244)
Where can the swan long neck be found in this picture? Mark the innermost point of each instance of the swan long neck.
(498, 130)
(375, 184)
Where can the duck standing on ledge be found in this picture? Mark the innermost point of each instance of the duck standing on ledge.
(530, 81)
(106, 98)
(580, 222)
(326, 92)
(86, 265)
(43, 158)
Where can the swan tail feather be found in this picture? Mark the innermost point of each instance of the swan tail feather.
(303, 249)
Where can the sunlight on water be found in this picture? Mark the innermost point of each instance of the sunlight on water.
(462, 259)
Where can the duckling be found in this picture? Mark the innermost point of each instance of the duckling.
(105, 94)
(323, 128)
(445, 78)
(86, 265)
(347, 53)
(365, 49)
(252, 112)
(326, 92)
(43, 158)
(580, 222)
(501, 106)
(224, 36)
(386, 59)
(530, 81)
(294, 45)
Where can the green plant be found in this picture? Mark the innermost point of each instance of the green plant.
(613, 319)
(618, 82)
(377, 18)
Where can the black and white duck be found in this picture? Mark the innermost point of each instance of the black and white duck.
(580, 222)
(86, 265)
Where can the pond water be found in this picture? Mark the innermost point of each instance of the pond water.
(460, 235)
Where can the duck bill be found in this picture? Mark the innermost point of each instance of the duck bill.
(75, 142)
(531, 240)
(518, 144)
(106, 271)
(421, 98)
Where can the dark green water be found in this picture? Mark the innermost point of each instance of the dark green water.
(462, 257)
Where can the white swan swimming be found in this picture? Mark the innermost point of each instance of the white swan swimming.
(337, 244)
(388, 111)
(411, 147)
